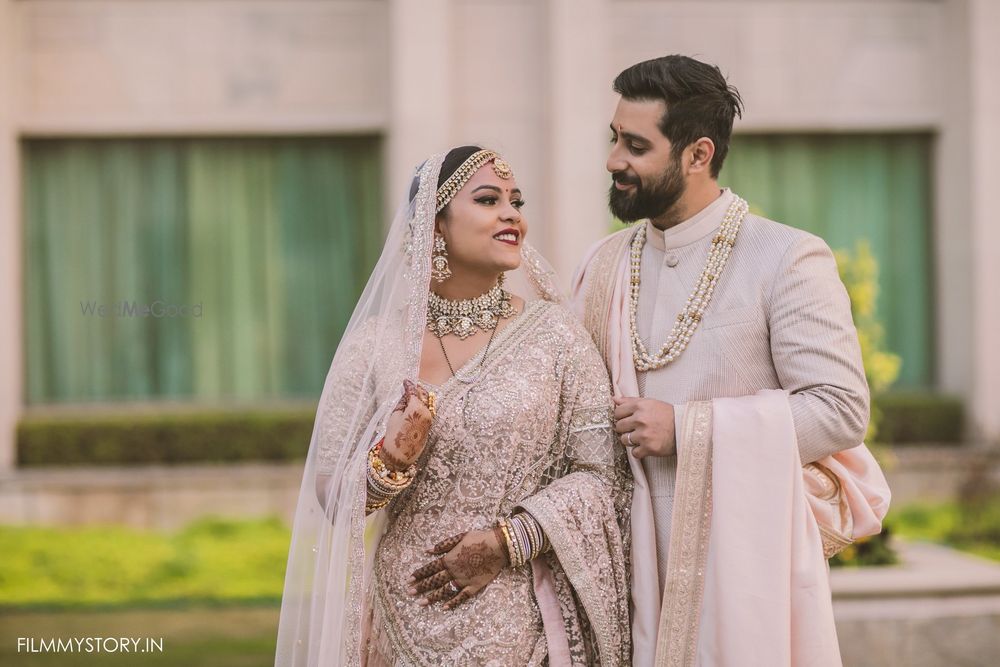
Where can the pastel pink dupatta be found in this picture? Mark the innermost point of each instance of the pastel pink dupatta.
(747, 581)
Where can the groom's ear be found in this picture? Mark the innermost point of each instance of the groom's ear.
(698, 156)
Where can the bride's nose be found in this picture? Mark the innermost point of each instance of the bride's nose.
(509, 213)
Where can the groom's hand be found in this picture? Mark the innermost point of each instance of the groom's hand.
(645, 426)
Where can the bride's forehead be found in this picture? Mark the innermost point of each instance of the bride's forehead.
(485, 175)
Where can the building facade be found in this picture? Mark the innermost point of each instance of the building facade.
(326, 106)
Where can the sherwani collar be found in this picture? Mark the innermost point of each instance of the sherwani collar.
(695, 228)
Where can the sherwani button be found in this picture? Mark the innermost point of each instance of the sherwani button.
(671, 261)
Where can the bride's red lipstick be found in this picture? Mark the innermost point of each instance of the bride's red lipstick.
(509, 230)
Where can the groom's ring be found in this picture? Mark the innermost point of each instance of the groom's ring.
(628, 440)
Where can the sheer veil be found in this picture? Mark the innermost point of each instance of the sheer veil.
(328, 578)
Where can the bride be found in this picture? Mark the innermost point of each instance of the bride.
(464, 501)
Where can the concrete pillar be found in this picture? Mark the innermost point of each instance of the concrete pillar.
(420, 69)
(984, 144)
(11, 369)
(580, 107)
(951, 241)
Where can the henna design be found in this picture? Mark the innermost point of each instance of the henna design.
(391, 462)
(462, 596)
(447, 545)
(431, 568)
(409, 389)
(436, 581)
(439, 595)
(476, 559)
(410, 439)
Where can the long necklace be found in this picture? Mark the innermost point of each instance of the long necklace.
(479, 371)
(464, 317)
(694, 308)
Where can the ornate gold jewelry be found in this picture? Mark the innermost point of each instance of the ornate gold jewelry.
(524, 537)
(464, 317)
(457, 180)
(432, 404)
(385, 484)
(697, 303)
(440, 270)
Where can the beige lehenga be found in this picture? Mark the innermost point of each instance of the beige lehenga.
(529, 430)
(532, 432)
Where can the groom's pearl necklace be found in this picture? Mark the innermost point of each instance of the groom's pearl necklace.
(688, 319)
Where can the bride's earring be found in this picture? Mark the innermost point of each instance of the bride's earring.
(501, 279)
(440, 270)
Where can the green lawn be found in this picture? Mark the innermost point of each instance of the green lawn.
(973, 526)
(228, 636)
(210, 591)
(211, 560)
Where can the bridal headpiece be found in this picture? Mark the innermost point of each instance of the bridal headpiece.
(457, 180)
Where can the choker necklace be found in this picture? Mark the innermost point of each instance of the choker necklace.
(463, 318)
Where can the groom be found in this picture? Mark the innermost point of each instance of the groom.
(735, 361)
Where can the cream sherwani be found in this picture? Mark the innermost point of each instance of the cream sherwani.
(776, 360)
(780, 318)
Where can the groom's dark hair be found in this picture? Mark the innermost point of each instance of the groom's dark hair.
(700, 103)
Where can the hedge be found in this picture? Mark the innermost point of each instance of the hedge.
(173, 437)
(270, 434)
(913, 418)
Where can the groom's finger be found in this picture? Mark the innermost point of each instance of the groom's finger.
(639, 452)
(626, 424)
(625, 409)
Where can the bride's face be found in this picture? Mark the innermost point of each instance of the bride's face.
(483, 225)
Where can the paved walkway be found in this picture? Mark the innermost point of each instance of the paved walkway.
(939, 608)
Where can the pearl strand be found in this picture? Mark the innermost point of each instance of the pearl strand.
(696, 304)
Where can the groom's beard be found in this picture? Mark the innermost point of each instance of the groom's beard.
(647, 201)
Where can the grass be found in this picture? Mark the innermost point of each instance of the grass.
(210, 591)
(210, 561)
(243, 636)
(973, 527)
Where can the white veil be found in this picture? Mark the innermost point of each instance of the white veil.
(327, 581)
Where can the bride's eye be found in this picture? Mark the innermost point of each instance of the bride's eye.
(517, 204)
(487, 200)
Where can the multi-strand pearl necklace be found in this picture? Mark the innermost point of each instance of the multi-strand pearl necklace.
(690, 317)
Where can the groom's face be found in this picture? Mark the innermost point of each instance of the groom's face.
(648, 179)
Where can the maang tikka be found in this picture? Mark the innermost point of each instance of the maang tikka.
(440, 270)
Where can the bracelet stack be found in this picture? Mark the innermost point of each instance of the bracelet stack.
(385, 484)
(524, 537)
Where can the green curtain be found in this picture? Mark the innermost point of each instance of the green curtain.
(846, 188)
(273, 238)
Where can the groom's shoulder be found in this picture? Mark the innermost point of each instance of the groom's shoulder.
(606, 244)
(773, 239)
(607, 240)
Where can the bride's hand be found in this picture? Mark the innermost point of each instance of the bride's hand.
(471, 561)
(406, 432)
